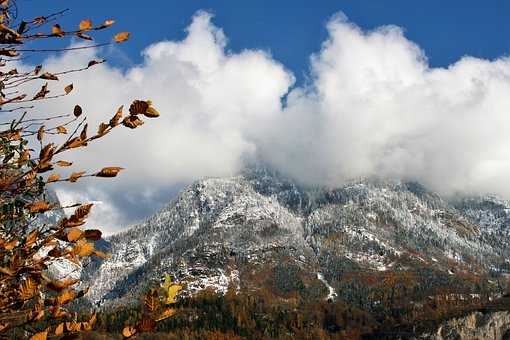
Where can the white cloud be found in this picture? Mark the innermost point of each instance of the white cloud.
(373, 107)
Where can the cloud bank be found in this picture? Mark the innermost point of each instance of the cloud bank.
(372, 107)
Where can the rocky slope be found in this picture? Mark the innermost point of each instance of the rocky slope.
(225, 232)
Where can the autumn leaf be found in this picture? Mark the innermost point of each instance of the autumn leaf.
(57, 30)
(83, 248)
(150, 301)
(121, 37)
(147, 325)
(37, 69)
(61, 129)
(92, 234)
(77, 110)
(151, 113)
(53, 178)
(31, 238)
(48, 76)
(28, 288)
(94, 62)
(42, 92)
(66, 297)
(64, 163)
(132, 122)
(111, 171)
(39, 336)
(39, 207)
(75, 176)
(40, 133)
(73, 234)
(116, 118)
(85, 25)
(171, 293)
(100, 254)
(128, 331)
(68, 88)
(138, 107)
(59, 330)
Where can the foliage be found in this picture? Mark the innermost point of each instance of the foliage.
(31, 147)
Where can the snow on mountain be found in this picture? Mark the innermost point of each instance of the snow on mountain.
(219, 231)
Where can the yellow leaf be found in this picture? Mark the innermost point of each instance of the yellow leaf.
(121, 37)
(172, 292)
(85, 25)
(68, 88)
(73, 234)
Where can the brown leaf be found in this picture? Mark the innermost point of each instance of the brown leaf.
(85, 25)
(147, 325)
(39, 336)
(28, 288)
(138, 107)
(83, 133)
(64, 163)
(77, 110)
(57, 30)
(73, 234)
(128, 331)
(151, 112)
(48, 76)
(39, 207)
(121, 37)
(53, 178)
(94, 62)
(75, 142)
(75, 176)
(37, 69)
(132, 122)
(150, 301)
(68, 88)
(92, 234)
(101, 130)
(61, 129)
(7, 271)
(40, 133)
(31, 238)
(42, 92)
(116, 118)
(111, 171)
(11, 244)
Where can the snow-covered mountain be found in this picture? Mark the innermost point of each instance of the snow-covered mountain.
(226, 232)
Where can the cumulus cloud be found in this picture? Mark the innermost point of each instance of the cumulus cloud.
(372, 107)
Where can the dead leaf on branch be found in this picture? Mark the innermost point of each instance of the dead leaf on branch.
(68, 88)
(111, 171)
(121, 37)
(85, 25)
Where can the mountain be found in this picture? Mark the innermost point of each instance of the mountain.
(262, 229)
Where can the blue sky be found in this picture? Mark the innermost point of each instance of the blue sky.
(292, 30)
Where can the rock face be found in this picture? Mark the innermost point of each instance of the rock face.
(220, 232)
(475, 326)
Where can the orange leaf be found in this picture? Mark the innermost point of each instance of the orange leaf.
(66, 297)
(121, 37)
(59, 330)
(31, 238)
(39, 207)
(53, 178)
(128, 331)
(57, 30)
(39, 336)
(83, 248)
(166, 314)
(85, 25)
(74, 234)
